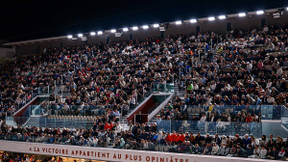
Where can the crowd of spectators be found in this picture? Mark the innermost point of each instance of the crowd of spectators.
(19, 157)
(11, 157)
(146, 137)
(246, 70)
(240, 68)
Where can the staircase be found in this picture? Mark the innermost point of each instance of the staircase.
(123, 119)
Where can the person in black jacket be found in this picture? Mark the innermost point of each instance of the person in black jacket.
(273, 154)
(217, 139)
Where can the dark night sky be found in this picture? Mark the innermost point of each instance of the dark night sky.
(32, 19)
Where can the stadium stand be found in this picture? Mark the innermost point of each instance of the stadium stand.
(227, 82)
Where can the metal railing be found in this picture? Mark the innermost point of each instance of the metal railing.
(264, 112)
(221, 128)
(163, 87)
(284, 118)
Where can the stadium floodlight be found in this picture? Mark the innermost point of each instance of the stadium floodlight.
(193, 20)
(125, 29)
(260, 12)
(113, 30)
(211, 18)
(156, 25)
(145, 27)
(69, 36)
(80, 35)
(178, 22)
(222, 17)
(242, 14)
(100, 32)
(134, 28)
(92, 33)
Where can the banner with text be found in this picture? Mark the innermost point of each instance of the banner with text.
(109, 154)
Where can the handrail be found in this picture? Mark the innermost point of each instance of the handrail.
(154, 112)
(23, 107)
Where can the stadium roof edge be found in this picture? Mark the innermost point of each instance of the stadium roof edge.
(34, 40)
(201, 19)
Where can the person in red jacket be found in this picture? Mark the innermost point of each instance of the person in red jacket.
(174, 137)
(249, 118)
(181, 137)
(111, 125)
(168, 138)
(107, 126)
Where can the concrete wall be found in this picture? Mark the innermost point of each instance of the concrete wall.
(6, 52)
(218, 26)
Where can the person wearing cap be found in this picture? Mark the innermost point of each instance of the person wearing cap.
(246, 141)
(223, 140)
(237, 139)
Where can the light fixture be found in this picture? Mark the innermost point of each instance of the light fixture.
(242, 14)
(156, 25)
(134, 28)
(260, 12)
(222, 17)
(193, 20)
(113, 30)
(100, 32)
(69, 36)
(80, 35)
(178, 22)
(125, 29)
(287, 8)
(211, 18)
(145, 27)
(92, 33)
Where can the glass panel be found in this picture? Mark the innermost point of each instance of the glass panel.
(284, 117)
(167, 88)
(222, 128)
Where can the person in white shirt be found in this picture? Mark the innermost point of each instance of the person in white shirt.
(195, 87)
(213, 86)
(215, 149)
(203, 118)
(262, 153)
(279, 71)
(223, 140)
(118, 128)
(269, 84)
(256, 152)
(270, 99)
(254, 142)
(281, 153)
(265, 29)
